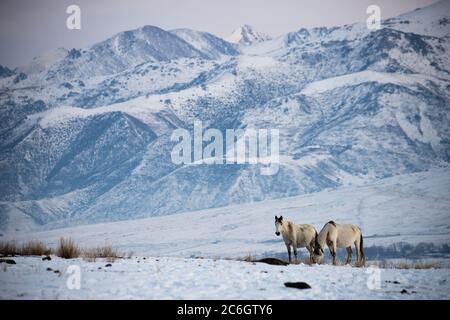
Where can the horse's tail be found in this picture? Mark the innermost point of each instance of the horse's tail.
(361, 249)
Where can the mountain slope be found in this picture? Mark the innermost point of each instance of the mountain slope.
(236, 230)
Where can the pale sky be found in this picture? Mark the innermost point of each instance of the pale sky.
(29, 28)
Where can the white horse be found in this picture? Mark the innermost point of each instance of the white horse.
(296, 236)
(339, 236)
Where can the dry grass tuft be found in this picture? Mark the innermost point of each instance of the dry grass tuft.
(101, 252)
(67, 249)
(8, 248)
(34, 248)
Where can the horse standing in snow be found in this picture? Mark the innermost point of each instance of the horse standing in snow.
(296, 236)
(339, 236)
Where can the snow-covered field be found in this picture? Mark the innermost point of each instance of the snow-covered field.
(410, 209)
(179, 278)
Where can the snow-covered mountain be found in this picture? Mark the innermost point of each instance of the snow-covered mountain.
(86, 137)
(246, 35)
(431, 21)
(123, 51)
(207, 43)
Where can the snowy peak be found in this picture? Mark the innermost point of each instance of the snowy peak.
(210, 45)
(144, 44)
(433, 20)
(246, 35)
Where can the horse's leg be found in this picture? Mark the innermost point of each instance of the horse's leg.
(288, 246)
(349, 255)
(357, 248)
(333, 254)
(295, 253)
(310, 250)
(332, 248)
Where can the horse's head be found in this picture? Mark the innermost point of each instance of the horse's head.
(278, 225)
(318, 255)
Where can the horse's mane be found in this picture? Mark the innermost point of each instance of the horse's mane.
(332, 222)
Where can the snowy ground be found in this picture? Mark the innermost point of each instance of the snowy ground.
(412, 209)
(179, 278)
